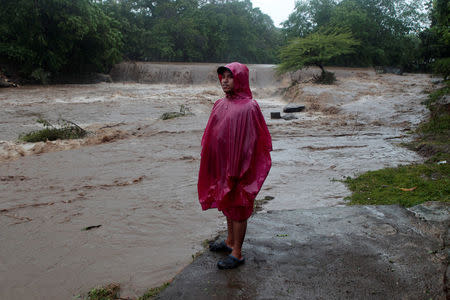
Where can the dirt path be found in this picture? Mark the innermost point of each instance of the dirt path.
(136, 174)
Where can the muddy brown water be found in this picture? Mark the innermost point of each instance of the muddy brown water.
(136, 175)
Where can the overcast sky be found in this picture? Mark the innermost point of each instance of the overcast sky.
(278, 10)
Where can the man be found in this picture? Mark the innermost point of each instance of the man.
(235, 159)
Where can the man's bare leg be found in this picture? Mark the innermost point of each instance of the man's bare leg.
(238, 230)
(236, 235)
(230, 238)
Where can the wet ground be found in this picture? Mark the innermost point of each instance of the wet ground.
(355, 252)
(135, 175)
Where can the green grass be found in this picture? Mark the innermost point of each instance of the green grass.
(62, 131)
(433, 135)
(413, 184)
(109, 292)
(152, 293)
(404, 185)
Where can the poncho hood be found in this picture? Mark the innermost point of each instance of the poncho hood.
(241, 79)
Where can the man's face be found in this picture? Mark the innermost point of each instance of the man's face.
(227, 82)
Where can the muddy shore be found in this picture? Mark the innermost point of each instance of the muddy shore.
(136, 174)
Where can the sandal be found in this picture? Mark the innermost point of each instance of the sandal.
(230, 262)
(220, 247)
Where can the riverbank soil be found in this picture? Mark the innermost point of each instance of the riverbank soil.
(136, 174)
(355, 252)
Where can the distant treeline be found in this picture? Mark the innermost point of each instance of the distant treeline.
(402, 33)
(43, 38)
(46, 37)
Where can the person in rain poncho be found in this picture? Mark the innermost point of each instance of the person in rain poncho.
(235, 159)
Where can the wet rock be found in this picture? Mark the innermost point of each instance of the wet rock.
(389, 70)
(259, 203)
(288, 117)
(393, 70)
(445, 100)
(275, 115)
(291, 108)
(436, 80)
(355, 252)
(4, 83)
(432, 211)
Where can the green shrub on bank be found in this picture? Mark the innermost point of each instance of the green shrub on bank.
(437, 95)
(442, 66)
(432, 136)
(404, 185)
(109, 292)
(63, 131)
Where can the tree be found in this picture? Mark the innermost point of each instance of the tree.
(307, 17)
(234, 30)
(440, 28)
(300, 22)
(51, 36)
(47, 37)
(384, 29)
(316, 49)
(195, 30)
(387, 29)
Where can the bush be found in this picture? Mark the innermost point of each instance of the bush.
(44, 38)
(64, 130)
(109, 292)
(442, 67)
(324, 78)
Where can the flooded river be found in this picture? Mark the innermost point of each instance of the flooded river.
(136, 174)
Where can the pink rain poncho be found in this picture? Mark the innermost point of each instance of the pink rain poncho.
(235, 157)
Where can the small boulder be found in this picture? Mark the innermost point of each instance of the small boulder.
(275, 115)
(393, 70)
(289, 117)
(4, 82)
(388, 69)
(291, 108)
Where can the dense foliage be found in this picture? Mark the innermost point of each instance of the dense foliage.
(316, 49)
(386, 30)
(44, 38)
(47, 37)
(436, 39)
(195, 30)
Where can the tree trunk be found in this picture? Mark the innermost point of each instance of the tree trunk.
(321, 67)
